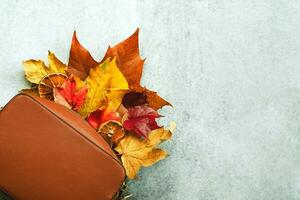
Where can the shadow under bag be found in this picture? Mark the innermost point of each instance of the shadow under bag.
(48, 152)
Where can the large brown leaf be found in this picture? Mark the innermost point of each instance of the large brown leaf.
(80, 60)
(130, 63)
(128, 59)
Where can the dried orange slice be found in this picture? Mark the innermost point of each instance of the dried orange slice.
(50, 82)
(112, 131)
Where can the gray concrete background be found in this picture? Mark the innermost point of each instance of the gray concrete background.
(231, 69)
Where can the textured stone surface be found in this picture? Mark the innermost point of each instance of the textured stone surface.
(231, 69)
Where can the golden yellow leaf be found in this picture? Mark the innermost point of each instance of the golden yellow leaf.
(137, 153)
(105, 82)
(35, 70)
(79, 83)
(55, 65)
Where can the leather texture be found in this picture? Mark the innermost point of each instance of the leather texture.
(48, 152)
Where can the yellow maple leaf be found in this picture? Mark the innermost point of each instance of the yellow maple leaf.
(137, 153)
(35, 70)
(55, 65)
(105, 83)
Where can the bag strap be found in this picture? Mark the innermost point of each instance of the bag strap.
(4, 196)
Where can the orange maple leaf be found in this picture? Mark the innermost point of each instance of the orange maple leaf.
(128, 59)
(131, 65)
(80, 60)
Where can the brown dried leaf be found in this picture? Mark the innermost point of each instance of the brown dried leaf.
(80, 60)
(153, 100)
(128, 59)
(131, 65)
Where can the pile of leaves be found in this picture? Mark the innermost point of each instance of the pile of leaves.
(109, 96)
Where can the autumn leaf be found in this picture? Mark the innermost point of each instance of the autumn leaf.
(128, 59)
(153, 100)
(131, 65)
(55, 65)
(105, 83)
(80, 60)
(75, 98)
(142, 96)
(141, 120)
(78, 98)
(136, 153)
(35, 70)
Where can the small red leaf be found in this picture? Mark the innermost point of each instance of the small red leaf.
(79, 97)
(73, 97)
(141, 120)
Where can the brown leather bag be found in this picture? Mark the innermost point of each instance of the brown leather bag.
(48, 152)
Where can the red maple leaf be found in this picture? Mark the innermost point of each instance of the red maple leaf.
(141, 120)
(73, 96)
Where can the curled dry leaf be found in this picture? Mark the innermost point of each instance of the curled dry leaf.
(36, 70)
(80, 60)
(131, 65)
(136, 153)
(105, 83)
(141, 120)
